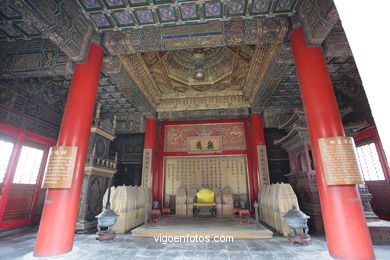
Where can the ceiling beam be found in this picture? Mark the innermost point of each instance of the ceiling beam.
(60, 21)
(33, 58)
(209, 34)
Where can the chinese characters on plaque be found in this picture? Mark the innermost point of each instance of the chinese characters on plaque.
(263, 164)
(206, 144)
(60, 167)
(147, 168)
(205, 172)
(339, 160)
(178, 138)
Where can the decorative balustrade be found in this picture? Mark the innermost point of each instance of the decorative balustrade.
(105, 163)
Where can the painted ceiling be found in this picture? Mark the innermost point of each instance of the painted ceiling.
(118, 15)
(287, 94)
(152, 51)
(167, 78)
(286, 97)
(13, 26)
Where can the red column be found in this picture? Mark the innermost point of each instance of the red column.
(58, 223)
(345, 225)
(150, 143)
(257, 139)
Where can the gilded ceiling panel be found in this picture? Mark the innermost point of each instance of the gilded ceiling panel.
(259, 66)
(138, 70)
(200, 79)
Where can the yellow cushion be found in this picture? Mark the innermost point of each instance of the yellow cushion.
(199, 204)
(205, 196)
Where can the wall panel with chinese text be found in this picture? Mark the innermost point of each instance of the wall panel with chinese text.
(206, 172)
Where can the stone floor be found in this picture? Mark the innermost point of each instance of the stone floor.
(19, 243)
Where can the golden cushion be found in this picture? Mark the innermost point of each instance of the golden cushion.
(205, 196)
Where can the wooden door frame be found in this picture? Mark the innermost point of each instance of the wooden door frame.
(21, 135)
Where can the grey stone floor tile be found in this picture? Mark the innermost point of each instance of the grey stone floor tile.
(275, 248)
(172, 255)
(130, 247)
(252, 243)
(108, 255)
(217, 255)
(156, 246)
(241, 241)
(194, 254)
(186, 247)
(258, 249)
(264, 256)
(149, 253)
(216, 246)
(240, 248)
(285, 255)
(240, 255)
(178, 247)
(146, 258)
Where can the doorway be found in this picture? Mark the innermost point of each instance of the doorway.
(23, 158)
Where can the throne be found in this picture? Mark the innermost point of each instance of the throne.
(204, 204)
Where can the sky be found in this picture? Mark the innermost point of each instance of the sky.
(367, 26)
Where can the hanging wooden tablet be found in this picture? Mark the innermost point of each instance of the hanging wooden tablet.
(60, 167)
(339, 160)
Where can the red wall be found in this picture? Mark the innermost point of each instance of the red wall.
(380, 190)
(158, 184)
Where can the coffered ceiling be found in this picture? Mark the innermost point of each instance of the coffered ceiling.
(346, 82)
(108, 15)
(231, 76)
(12, 25)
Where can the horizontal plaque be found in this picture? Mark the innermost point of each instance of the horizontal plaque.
(204, 144)
(60, 167)
(339, 160)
